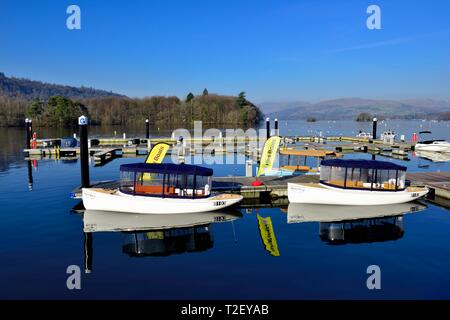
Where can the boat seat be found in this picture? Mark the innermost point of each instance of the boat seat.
(350, 184)
(154, 189)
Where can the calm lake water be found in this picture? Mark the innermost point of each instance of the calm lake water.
(226, 255)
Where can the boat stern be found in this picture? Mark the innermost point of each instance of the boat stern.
(225, 200)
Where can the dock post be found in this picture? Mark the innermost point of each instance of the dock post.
(84, 151)
(28, 133)
(147, 129)
(248, 168)
(277, 131)
(30, 175)
(267, 128)
(374, 129)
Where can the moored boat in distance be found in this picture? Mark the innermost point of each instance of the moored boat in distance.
(356, 182)
(431, 145)
(364, 135)
(159, 189)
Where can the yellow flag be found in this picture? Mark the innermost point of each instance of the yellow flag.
(158, 152)
(269, 154)
(268, 235)
(156, 155)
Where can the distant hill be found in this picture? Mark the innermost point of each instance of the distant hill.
(349, 108)
(18, 88)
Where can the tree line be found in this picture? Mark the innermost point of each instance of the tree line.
(164, 112)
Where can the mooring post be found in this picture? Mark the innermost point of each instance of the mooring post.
(277, 132)
(84, 151)
(30, 176)
(28, 133)
(267, 128)
(147, 129)
(374, 129)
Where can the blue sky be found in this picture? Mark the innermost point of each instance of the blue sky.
(274, 50)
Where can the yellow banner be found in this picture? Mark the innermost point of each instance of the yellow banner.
(158, 152)
(269, 154)
(156, 155)
(268, 235)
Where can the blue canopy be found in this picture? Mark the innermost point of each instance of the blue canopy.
(361, 163)
(167, 168)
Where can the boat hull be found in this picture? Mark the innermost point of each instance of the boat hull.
(433, 147)
(94, 199)
(320, 194)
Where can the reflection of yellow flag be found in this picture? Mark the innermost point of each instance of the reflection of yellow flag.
(269, 154)
(155, 235)
(267, 235)
(157, 154)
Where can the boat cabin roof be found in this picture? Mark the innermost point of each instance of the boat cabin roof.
(308, 153)
(362, 163)
(167, 168)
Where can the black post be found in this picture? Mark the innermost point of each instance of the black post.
(84, 151)
(267, 128)
(30, 176)
(147, 128)
(28, 132)
(88, 251)
(374, 129)
(276, 127)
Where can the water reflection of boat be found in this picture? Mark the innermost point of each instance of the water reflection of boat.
(98, 221)
(168, 242)
(301, 212)
(354, 224)
(154, 234)
(362, 231)
(433, 156)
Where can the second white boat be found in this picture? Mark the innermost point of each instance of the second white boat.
(357, 182)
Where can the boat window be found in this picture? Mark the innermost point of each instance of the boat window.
(363, 178)
(149, 183)
(127, 181)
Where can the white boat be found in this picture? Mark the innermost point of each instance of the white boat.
(433, 156)
(432, 145)
(357, 182)
(364, 135)
(159, 189)
(388, 135)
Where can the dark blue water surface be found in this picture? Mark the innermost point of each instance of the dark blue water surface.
(229, 260)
